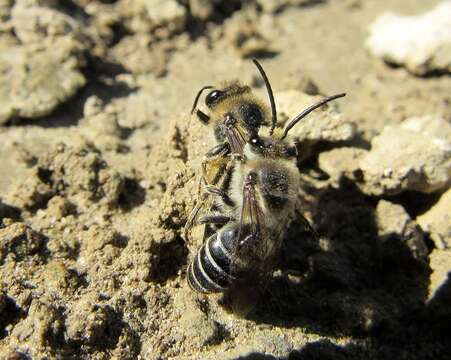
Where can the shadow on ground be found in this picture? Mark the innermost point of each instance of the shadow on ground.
(360, 285)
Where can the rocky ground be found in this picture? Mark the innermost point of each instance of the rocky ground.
(100, 163)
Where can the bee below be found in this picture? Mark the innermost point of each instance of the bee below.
(210, 269)
(264, 189)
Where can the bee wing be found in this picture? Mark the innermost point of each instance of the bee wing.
(236, 139)
(258, 243)
(247, 250)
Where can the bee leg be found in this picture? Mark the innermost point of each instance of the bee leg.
(308, 226)
(206, 164)
(226, 173)
(296, 276)
(204, 118)
(220, 149)
(222, 194)
(215, 219)
(191, 219)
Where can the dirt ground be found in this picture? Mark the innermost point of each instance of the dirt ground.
(100, 162)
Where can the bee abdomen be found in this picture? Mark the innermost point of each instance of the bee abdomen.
(209, 270)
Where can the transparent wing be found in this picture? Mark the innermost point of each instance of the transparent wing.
(249, 247)
(236, 138)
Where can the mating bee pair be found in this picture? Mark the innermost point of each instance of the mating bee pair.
(251, 184)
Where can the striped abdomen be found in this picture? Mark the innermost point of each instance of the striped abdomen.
(209, 271)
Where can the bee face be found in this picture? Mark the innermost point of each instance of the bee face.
(236, 118)
(267, 185)
(270, 148)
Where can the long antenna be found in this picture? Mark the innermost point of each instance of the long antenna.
(198, 96)
(308, 111)
(270, 95)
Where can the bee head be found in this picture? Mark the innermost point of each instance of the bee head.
(271, 147)
(216, 96)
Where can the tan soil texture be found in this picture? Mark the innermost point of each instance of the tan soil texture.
(100, 164)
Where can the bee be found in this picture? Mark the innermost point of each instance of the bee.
(235, 114)
(263, 191)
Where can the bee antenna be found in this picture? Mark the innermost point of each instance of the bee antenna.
(308, 111)
(196, 99)
(270, 95)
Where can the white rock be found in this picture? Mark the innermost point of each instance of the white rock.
(402, 159)
(421, 43)
(164, 12)
(36, 78)
(341, 162)
(392, 219)
(440, 262)
(323, 124)
(434, 126)
(34, 23)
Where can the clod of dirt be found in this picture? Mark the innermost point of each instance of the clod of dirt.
(36, 333)
(301, 81)
(80, 174)
(201, 9)
(166, 13)
(342, 162)
(394, 222)
(35, 78)
(100, 125)
(205, 331)
(414, 155)
(325, 124)
(435, 126)
(245, 38)
(8, 212)
(405, 159)
(144, 16)
(267, 342)
(138, 55)
(421, 43)
(437, 221)
(19, 241)
(88, 320)
(35, 23)
(101, 24)
(135, 112)
(440, 261)
(5, 16)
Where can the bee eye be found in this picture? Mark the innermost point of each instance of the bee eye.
(213, 97)
(255, 141)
